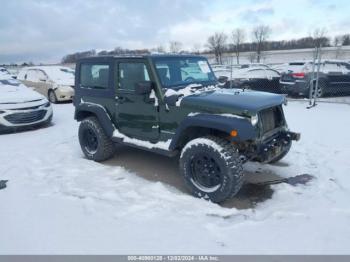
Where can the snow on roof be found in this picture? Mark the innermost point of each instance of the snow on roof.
(56, 73)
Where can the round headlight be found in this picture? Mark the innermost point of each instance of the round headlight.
(254, 120)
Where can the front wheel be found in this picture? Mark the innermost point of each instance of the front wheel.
(52, 97)
(95, 144)
(319, 92)
(211, 168)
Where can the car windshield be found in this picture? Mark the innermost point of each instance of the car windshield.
(176, 72)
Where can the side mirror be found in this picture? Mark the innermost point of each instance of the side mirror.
(143, 87)
(223, 79)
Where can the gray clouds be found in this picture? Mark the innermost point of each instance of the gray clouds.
(46, 30)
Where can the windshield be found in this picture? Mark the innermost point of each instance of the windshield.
(175, 72)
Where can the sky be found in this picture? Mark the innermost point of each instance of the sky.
(46, 30)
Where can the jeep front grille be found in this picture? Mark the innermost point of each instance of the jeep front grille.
(26, 117)
(271, 118)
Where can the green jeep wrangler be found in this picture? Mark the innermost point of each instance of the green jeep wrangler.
(173, 105)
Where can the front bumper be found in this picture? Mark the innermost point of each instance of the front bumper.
(275, 145)
(64, 94)
(11, 119)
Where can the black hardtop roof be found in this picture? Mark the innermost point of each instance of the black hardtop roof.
(140, 56)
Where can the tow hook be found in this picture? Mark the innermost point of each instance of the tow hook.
(294, 136)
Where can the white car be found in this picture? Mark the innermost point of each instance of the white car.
(4, 71)
(21, 107)
(54, 82)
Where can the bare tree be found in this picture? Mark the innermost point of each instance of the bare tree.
(238, 36)
(319, 36)
(160, 49)
(175, 46)
(216, 43)
(260, 34)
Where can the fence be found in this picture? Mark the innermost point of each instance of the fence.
(312, 74)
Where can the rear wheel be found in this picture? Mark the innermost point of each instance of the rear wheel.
(211, 168)
(95, 144)
(246, 86)
(52, 96)
(319, 90)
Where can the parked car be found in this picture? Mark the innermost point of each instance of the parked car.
(54, 82)
(151, 105)
(259, 79)
(21, 107)
(254, 65)
(334, 78)
(4, 71)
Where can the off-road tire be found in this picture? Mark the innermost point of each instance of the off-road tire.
(105, 147)
(227, 159)
(51, 95)
(281, 155)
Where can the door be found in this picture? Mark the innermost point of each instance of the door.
(30, 78)
(136, 115)
(335, 77)
(42, 84)
(345, 88)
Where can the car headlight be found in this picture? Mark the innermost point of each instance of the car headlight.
(254, 120)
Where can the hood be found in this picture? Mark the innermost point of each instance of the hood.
(233, 101)
(15, 93)
(64, 82)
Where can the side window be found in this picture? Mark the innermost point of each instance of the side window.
(31, 75)
(94, 76)
(331, 68)
(132, 73)
(345, 68)
(257, 73)
(41, 76)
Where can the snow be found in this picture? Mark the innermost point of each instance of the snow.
(188, 90)
(60, 75)
(248, 73)
(58, 202)
(13, 92)
(164, 145)
(153, 96)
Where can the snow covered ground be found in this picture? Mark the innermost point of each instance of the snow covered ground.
(57, 202)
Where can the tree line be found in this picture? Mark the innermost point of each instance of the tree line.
(236, 42)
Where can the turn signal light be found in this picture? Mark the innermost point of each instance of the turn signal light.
(233, 133)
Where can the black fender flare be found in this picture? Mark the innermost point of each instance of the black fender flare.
(86, 109)
(226, 124)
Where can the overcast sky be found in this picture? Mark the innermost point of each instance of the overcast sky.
(45, 30)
